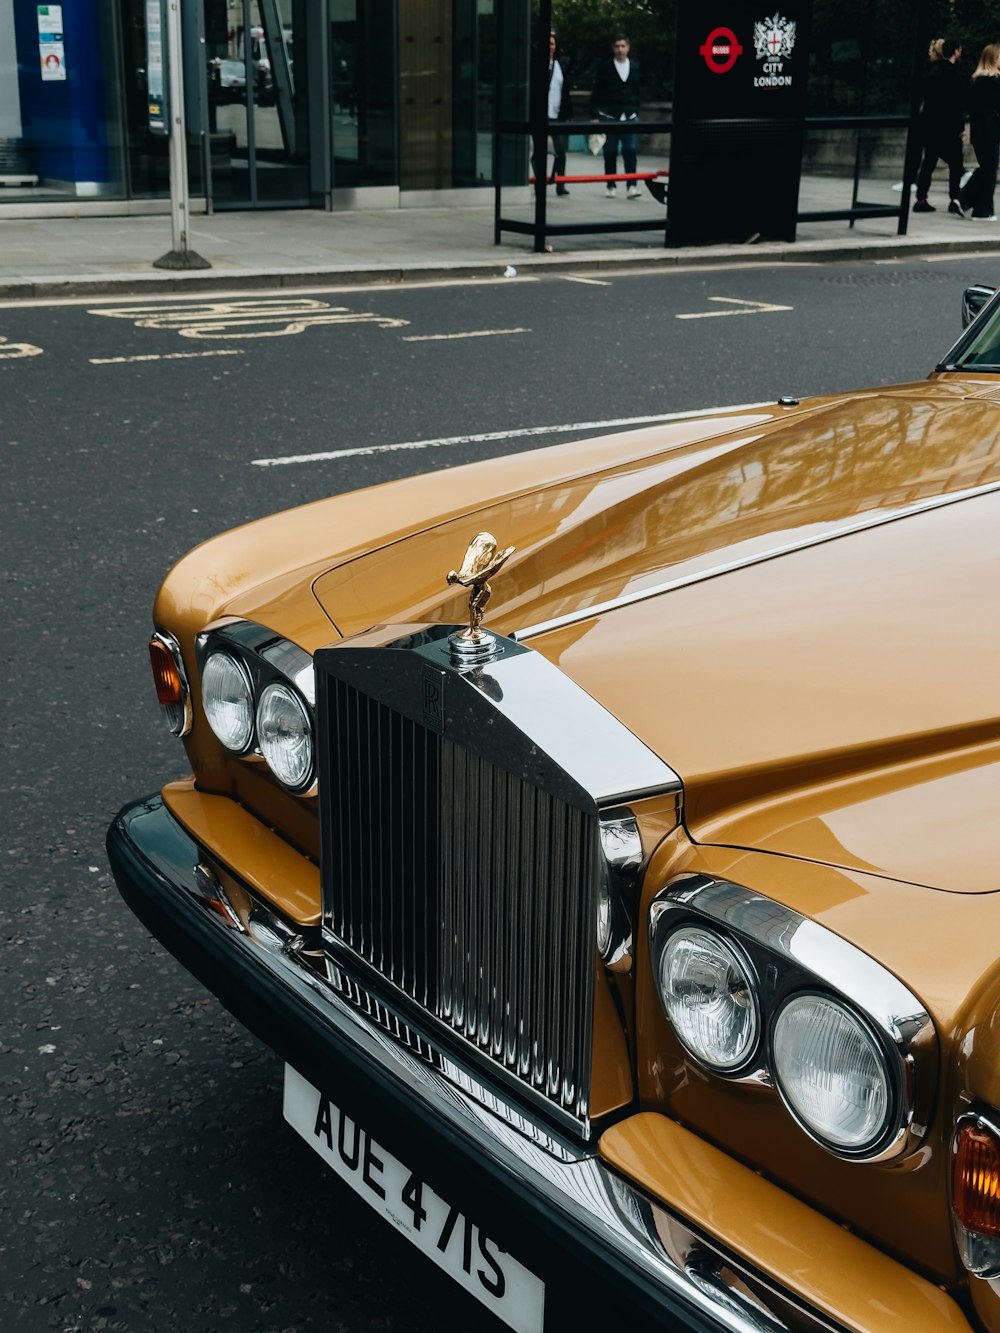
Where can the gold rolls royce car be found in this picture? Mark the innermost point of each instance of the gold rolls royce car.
(607, 839)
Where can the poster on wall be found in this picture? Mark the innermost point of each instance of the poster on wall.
(156, 87)
(51, 49)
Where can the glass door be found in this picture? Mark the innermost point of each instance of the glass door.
(363, 92)
(258, 103)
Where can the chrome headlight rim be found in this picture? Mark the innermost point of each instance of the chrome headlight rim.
(290, 693)
(265, 656)
(794, 953)
(749, 1058)
(878, 1146)
(244, 675)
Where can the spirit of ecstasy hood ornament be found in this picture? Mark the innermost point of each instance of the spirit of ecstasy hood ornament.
(482, 560)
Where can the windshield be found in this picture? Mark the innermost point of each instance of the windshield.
(979, 348)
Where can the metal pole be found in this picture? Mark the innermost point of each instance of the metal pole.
(180, 255)
(538, 116)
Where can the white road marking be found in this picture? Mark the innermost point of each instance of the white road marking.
(447, 337)
(748, 308)
(164, 356)
(15, 351)
(593, 282)
(489, 436)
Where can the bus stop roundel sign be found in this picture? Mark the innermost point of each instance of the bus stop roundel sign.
(720, 50)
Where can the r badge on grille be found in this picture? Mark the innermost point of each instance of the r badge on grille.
(433, 698)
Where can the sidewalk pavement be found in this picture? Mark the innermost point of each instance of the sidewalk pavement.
(88, 255)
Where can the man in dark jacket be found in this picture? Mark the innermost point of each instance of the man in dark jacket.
(615, 98)
(942, 124)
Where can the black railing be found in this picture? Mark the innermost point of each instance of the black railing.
(540, 228)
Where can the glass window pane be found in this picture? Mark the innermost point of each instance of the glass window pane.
(363, 87)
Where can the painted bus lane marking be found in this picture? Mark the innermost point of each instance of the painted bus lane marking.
(276, 317)
(17, 351)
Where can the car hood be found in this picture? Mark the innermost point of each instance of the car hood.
(786, 614)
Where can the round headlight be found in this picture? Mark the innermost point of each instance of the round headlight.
(831, 1073)
(709, 996)
(284, 734)
(226, 697)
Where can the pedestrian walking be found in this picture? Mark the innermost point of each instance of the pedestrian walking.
(558, 107)
(976, 196)
(942, 123)
(615, 99)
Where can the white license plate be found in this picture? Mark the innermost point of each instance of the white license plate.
(452, 1240)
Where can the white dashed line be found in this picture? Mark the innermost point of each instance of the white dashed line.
(489, 436)
(447, 337)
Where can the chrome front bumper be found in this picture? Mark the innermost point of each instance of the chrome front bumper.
(341, 1037)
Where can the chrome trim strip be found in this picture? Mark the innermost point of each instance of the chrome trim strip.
(746, 562)
(644, 1237)
(804, 956)
(168, 642)
(622, 848)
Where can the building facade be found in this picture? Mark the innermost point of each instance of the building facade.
(288, 103)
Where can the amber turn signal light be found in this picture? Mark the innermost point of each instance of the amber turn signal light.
(166, 677)
(171, 682)
(976, 1180)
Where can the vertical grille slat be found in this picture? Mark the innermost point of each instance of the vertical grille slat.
(469, 888)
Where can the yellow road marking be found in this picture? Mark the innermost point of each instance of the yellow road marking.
(164, 356)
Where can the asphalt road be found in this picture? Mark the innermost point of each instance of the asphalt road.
(148, 1181)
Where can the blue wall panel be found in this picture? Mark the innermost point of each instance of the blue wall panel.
(65, 122)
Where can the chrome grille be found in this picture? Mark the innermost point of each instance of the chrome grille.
(469, 888)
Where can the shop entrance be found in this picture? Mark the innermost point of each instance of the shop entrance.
(258, 102)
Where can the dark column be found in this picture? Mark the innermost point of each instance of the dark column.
(739, 105)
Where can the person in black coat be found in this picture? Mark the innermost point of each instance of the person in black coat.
(615, 98)
(558, 107)
(942, 124)
(976, 199)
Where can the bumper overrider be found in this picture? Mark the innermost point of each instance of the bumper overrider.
(601, 1243)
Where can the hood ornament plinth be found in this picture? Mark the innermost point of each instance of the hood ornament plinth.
(482, 560)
